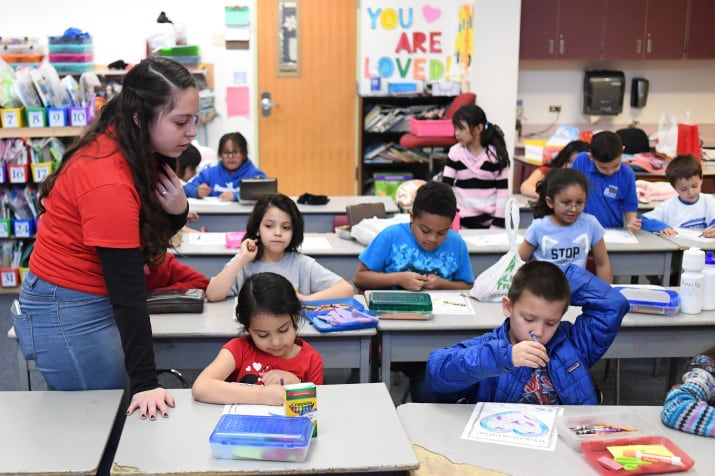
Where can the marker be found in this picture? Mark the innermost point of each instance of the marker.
(674, 460)
(281, 381)
(533, 336)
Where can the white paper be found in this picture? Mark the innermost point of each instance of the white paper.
(212, 201)
(450, 303)
(313, 243)
(206, 239)
(614, 235)
(513, 424)
(492, 239)
(693, 235)
(260, 410)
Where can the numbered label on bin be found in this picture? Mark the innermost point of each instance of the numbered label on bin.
(4, 228)
(10, 119)
(78, 116)
(36, 118)
(22, 229)
(18, 174)
(9, 278)
(56, 118)
(40, 172)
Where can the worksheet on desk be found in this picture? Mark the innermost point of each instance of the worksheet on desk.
(260, 410)
(450, 303)
(514, 424)
(206, 238)
(315, 243)
(213, 201)
(614, 235)
(693, 235)
(492, 239)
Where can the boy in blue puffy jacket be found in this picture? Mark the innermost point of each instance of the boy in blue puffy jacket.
(533, 357)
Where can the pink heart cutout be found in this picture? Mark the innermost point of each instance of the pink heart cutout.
(431, 14)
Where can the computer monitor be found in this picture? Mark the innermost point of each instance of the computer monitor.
(254, 188)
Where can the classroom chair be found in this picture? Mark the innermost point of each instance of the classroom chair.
(634, 140)
(413, 141)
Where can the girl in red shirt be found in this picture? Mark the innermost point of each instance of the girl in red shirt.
(269, 357)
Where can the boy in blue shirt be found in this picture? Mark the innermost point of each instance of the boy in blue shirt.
(612, 188)
(420, 255)
(534, 357)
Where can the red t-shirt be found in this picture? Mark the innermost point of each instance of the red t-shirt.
(94, 203)
(251, 363)
(171, 274)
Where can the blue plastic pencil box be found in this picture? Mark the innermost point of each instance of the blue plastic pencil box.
(316, 312)
(648, 299)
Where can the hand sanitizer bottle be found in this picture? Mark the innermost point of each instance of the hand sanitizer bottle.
(692, 281)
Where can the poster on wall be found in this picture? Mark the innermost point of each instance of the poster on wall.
(409, 46)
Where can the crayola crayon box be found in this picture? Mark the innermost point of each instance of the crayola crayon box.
(301, 399)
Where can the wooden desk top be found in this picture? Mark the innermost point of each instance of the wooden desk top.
(36, 428)
(358, 431)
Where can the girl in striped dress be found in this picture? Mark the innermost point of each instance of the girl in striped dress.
(478, 169)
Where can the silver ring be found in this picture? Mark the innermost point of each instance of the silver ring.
(164, 192)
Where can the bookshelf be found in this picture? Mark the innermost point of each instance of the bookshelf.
(384, 119)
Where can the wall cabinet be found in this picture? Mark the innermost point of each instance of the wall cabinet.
(617, 29)
(560, 29)
(384, 119)
(701, 31)
(645, 29)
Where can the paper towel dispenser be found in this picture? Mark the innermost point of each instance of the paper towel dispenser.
(603, 92)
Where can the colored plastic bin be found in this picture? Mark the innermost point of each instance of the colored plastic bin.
(431, 128)
(71, 57)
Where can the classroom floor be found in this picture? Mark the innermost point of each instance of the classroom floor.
(640, 385)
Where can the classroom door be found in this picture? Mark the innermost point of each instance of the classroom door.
(309, 140)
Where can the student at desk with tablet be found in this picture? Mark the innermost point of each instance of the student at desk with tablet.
(223, 180)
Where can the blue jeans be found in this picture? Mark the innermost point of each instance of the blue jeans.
(71, 335)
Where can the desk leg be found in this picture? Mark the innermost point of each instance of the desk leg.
(365, 360)
(23, 371)
(618, 381)
(386, 360)
(666, 269)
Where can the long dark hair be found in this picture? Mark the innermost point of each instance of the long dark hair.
(562, 158)
(268, 293)
(492, 135)
(555, 181)
(283, 203)
(148, 88)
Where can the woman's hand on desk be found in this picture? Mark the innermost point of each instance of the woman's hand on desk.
(149, 401)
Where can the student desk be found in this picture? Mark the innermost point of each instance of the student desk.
(36, 425)
(652, 255)
(526, 211)
(641, 335)
(438, 428)
(358, 431)
(232, 216)
(339, 256)
(191, 341)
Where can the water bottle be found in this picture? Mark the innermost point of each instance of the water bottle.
(709, 282)
(692, 281)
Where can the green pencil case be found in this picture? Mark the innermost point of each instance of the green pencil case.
(385, 302)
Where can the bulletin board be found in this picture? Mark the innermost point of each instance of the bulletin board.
(414, 41)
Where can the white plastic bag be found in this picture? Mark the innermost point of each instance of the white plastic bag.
(368, 228)
(494, 282)
(667, 135)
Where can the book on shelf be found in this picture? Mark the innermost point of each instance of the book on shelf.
(374, 150)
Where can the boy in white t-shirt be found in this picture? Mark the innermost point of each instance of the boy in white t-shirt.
(690, 209)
